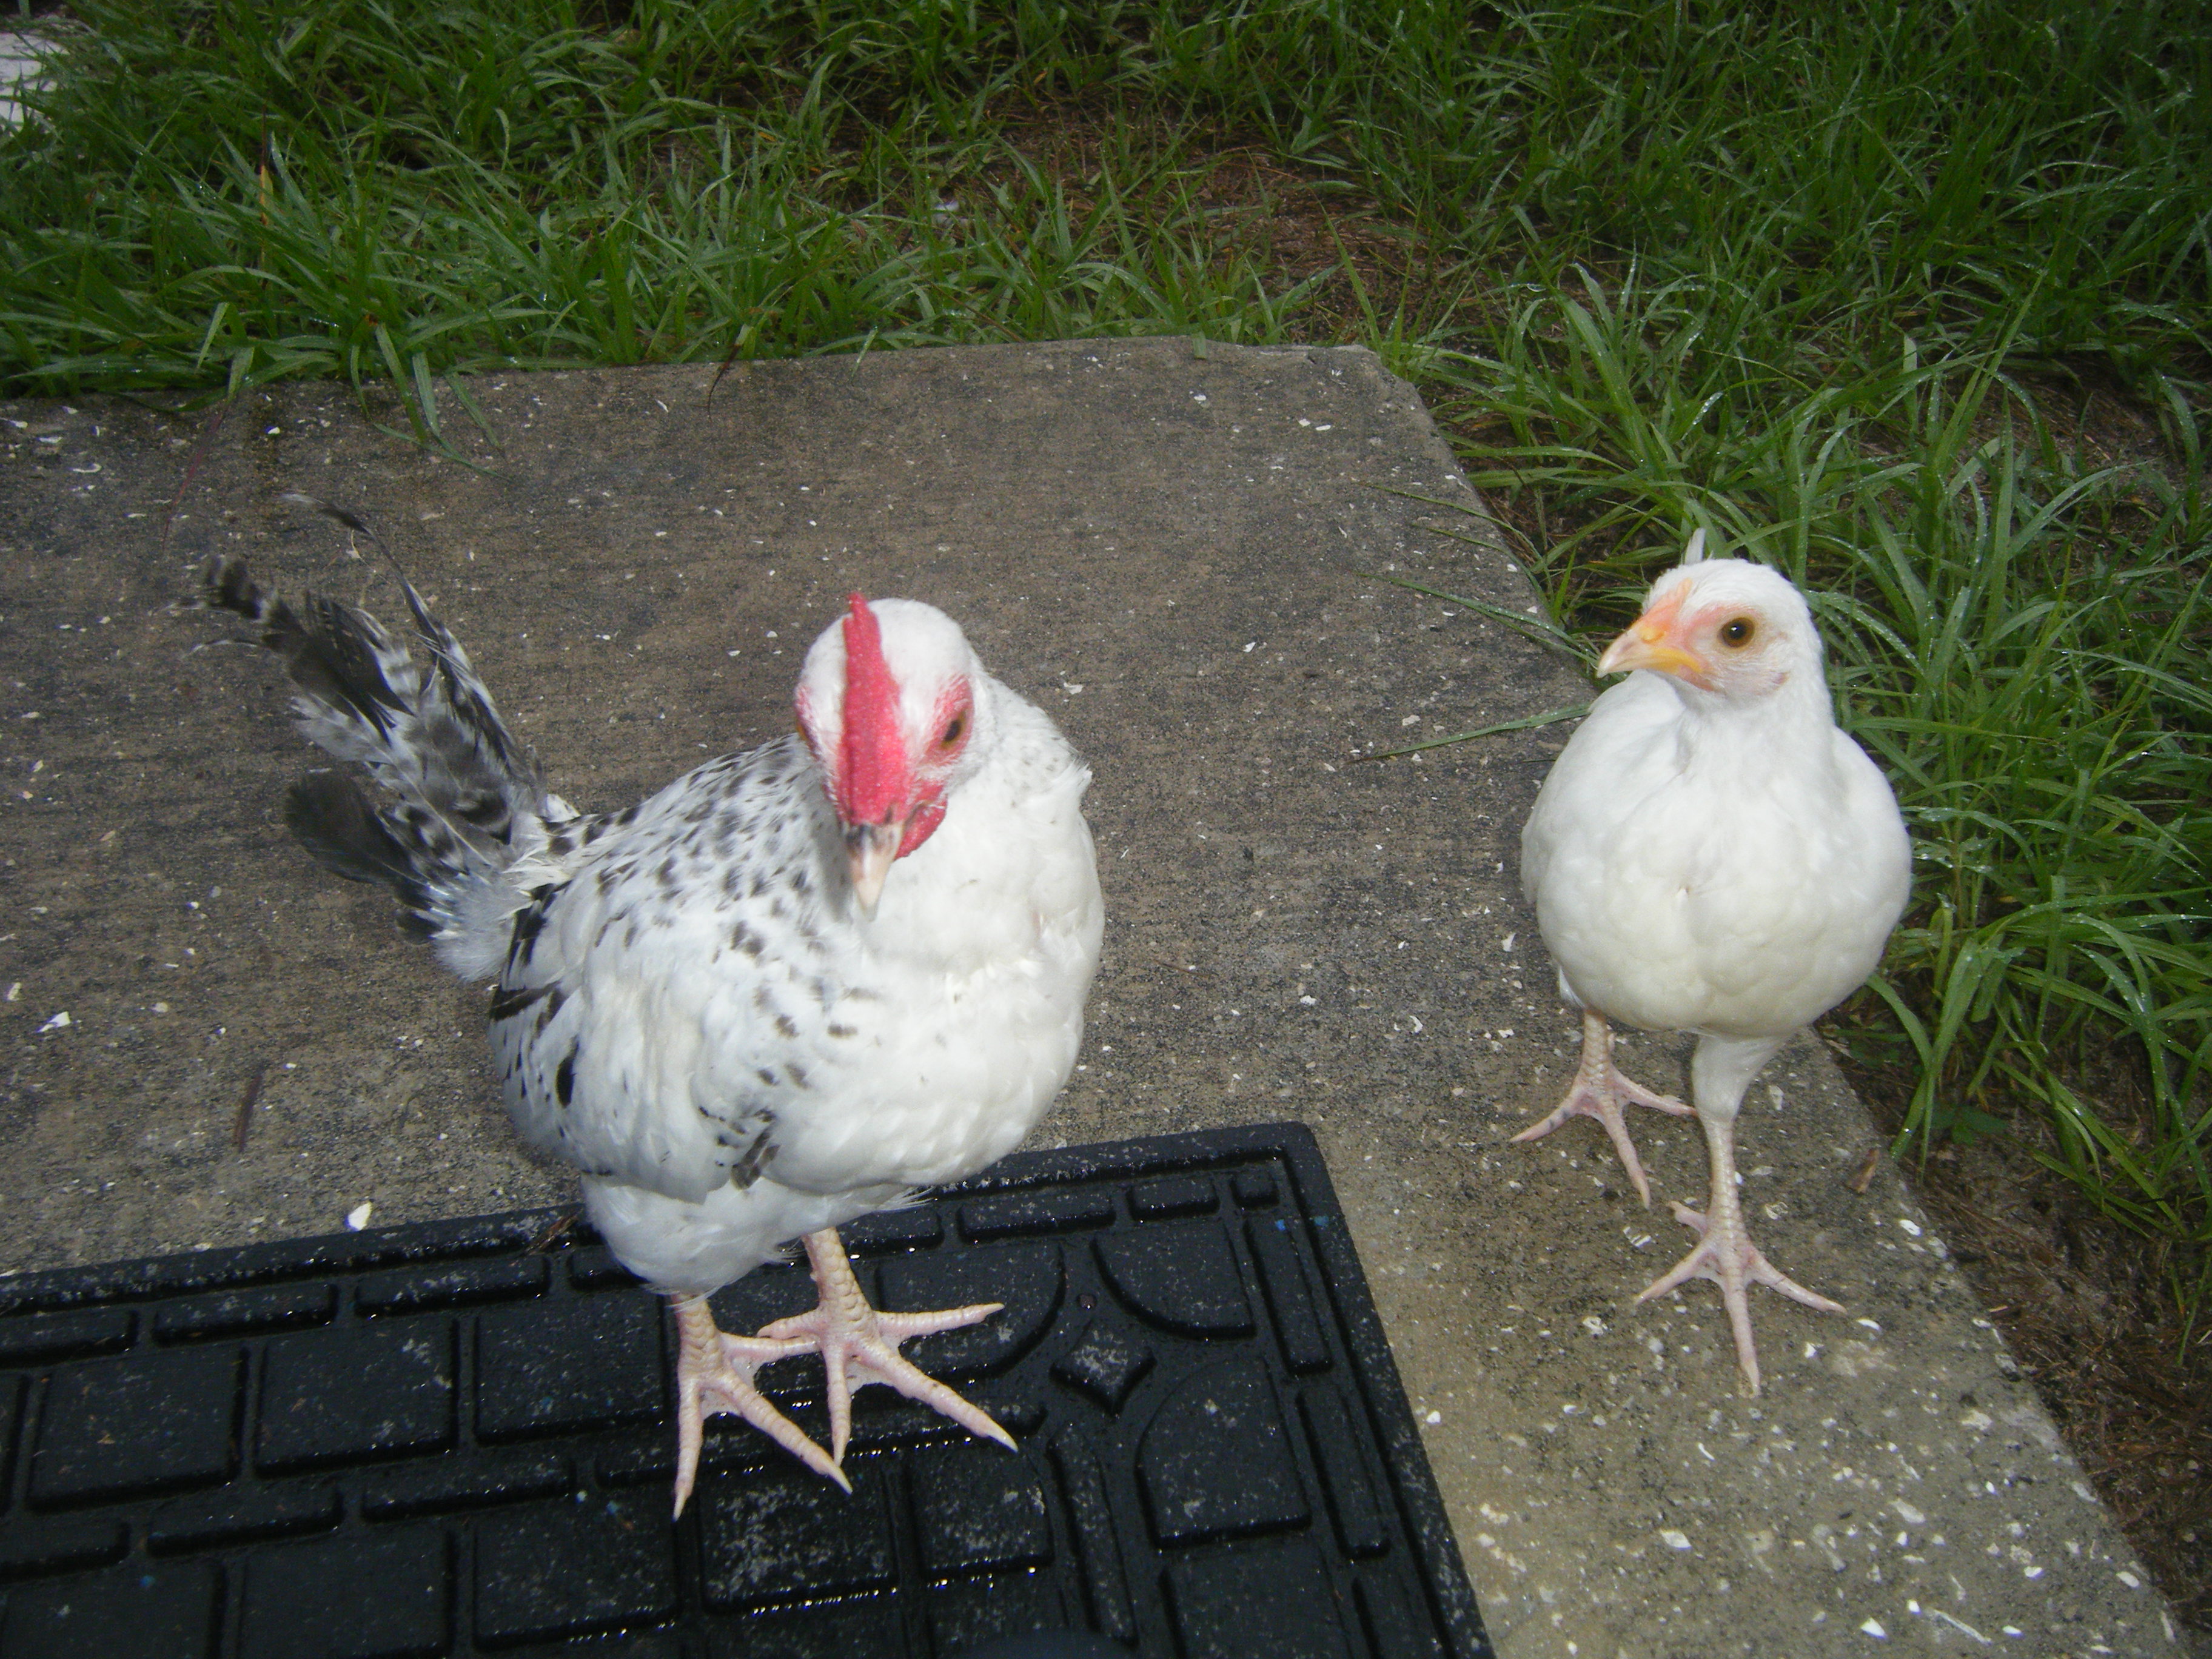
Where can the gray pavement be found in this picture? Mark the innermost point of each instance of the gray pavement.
(1165, 547)
(24, 53)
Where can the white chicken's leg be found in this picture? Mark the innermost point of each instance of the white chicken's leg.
(1724, 1252)
(1599, 1091)
(714, 1374)
(860, 1346)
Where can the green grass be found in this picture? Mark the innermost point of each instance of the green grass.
(234, 194)
(1909, 300)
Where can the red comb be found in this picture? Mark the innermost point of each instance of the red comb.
(871, 756)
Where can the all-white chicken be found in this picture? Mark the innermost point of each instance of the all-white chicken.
(1710, 854)
(792, 986)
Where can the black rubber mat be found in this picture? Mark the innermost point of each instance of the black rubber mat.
(451, 1439)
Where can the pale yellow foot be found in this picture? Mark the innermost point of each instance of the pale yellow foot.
(714, 1374)
(859, 1345)
(1599, 1092)
(1725, 1254)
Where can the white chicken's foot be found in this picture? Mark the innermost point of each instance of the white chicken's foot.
(1599, 1091)
(1725, 1254)
(860, 1346)
(714, 1374)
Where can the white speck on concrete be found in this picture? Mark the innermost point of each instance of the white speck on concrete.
(1960, 1624)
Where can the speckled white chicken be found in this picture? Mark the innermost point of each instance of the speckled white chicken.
(790, 987)
(1710, 854)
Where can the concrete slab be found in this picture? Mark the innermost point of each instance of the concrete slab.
(1164, 547)
(23, 57)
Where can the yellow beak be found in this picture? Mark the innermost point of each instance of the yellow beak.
(1645, 643)
(869, 850)
(1638, 649)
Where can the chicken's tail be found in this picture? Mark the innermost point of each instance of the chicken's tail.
(466, 801)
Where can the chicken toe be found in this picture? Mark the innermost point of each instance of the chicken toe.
(859, 1345)
(1599, 1092)
(1725, 1254)
(714, 1374)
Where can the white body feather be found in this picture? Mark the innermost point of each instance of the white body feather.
(725, 1012)
(1734, 872)
(694, 1008)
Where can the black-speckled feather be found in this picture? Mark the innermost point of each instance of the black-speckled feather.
(786, 989)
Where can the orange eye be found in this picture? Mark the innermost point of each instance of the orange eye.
(1737, 632)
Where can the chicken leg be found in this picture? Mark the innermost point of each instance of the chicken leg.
(1724, 1252)
(714, 1374)
(859, 1345)
(1599, 1091)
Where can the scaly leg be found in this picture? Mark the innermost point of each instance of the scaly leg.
(860, 1346)
(1725, 1254)
(1598, 1092)
(714, 1374)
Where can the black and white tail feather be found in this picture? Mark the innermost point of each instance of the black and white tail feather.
(466, 810)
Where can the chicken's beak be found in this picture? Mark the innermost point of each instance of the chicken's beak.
(1645, 644)
(869, 850)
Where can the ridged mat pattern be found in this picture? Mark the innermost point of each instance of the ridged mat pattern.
(452, 1438)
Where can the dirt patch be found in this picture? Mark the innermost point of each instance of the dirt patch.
(2092, 1313)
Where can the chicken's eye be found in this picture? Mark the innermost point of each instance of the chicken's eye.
(954, 729)
(1737, 631)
